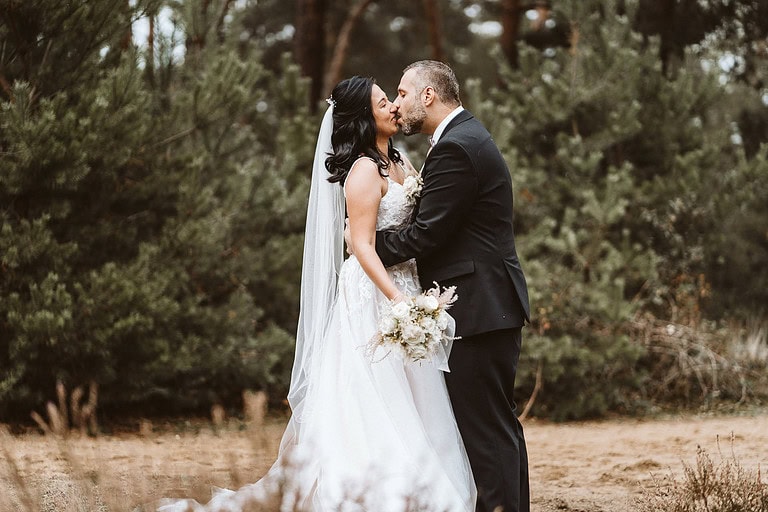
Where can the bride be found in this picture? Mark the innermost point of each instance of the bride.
(374, 434)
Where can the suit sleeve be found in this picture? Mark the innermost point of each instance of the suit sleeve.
(449, 190)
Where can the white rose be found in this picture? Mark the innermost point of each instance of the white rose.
(428, 324)
(388, 324)
(428, 303)
(412, 333)
(411, 185)
(401, 310)
(442, 321)
(419, 352)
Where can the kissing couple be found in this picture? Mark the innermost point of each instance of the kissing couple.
(391, 434)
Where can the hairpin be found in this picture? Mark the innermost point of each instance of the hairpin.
(331, 101)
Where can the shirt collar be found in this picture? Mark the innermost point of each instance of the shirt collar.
(441, 127)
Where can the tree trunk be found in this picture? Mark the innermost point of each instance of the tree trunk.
(127, 38)
(659, 17)
(667, 33)
(510, 28)
(309, 44)
(222, 16)
(342, 45)
(432, 14)
(150, 64)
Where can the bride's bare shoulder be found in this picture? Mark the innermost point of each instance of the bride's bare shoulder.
(364, 169)
(362, 177)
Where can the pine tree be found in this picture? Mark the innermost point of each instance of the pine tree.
(152, 207)
(614, 165)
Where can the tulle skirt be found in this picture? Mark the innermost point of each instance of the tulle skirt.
(374, 434)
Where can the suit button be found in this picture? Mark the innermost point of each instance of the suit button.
(503, 316)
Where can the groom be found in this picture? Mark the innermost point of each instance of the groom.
(462, 236)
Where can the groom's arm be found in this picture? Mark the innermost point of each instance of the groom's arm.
(450, 188)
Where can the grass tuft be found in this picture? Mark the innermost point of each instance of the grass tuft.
(710, 486)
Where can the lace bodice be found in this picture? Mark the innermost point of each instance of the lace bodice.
(394, 211)
(395, 208)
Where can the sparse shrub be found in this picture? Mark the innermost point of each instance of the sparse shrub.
(710, 486)
(700, 365)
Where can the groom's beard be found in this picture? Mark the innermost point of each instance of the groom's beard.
(412, 123)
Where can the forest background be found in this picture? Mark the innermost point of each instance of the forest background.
(155, 158)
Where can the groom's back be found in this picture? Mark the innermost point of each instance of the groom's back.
(481, 259)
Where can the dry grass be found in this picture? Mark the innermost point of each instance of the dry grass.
(76, 487)
(709, 486)
(702, 364)
(601, 466)
(750, 344)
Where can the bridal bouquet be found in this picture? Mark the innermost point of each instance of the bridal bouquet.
(415, 327)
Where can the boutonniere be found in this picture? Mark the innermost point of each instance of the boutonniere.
(412, 186)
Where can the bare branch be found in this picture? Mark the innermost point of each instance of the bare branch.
(222, 16)
(535, 392)
(333, 74)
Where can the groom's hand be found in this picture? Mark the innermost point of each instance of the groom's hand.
(348, 238)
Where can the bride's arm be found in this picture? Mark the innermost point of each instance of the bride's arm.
(364, 189)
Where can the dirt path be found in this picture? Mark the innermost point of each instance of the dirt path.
(588, 467)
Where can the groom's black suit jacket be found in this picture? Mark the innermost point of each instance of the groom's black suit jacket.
(462, 231)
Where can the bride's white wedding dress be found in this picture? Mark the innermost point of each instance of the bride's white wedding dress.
(373, 435)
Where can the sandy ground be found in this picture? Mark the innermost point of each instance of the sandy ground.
(605, 466)
(585, 466)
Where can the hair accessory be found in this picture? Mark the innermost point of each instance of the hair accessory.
(331, 101)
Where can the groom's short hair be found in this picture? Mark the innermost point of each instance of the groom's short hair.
(440, 77)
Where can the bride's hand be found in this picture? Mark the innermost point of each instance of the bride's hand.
(398, 299)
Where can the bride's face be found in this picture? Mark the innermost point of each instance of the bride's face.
(386, 124)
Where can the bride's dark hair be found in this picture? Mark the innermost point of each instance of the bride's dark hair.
(354, 130)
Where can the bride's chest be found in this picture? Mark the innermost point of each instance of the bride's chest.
(395, 207)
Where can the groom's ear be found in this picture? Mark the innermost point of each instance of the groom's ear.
(428, 96)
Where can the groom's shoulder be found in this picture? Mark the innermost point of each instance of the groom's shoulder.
(466, 126)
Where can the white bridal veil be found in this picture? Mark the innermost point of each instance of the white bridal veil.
(323, 256)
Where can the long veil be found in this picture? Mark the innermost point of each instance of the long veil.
(323, 256)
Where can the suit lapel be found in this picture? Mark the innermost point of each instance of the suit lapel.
(464, 115)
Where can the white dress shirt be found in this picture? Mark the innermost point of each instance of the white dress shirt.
(441, 127)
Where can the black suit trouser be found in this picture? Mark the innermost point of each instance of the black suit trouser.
(481, 386)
